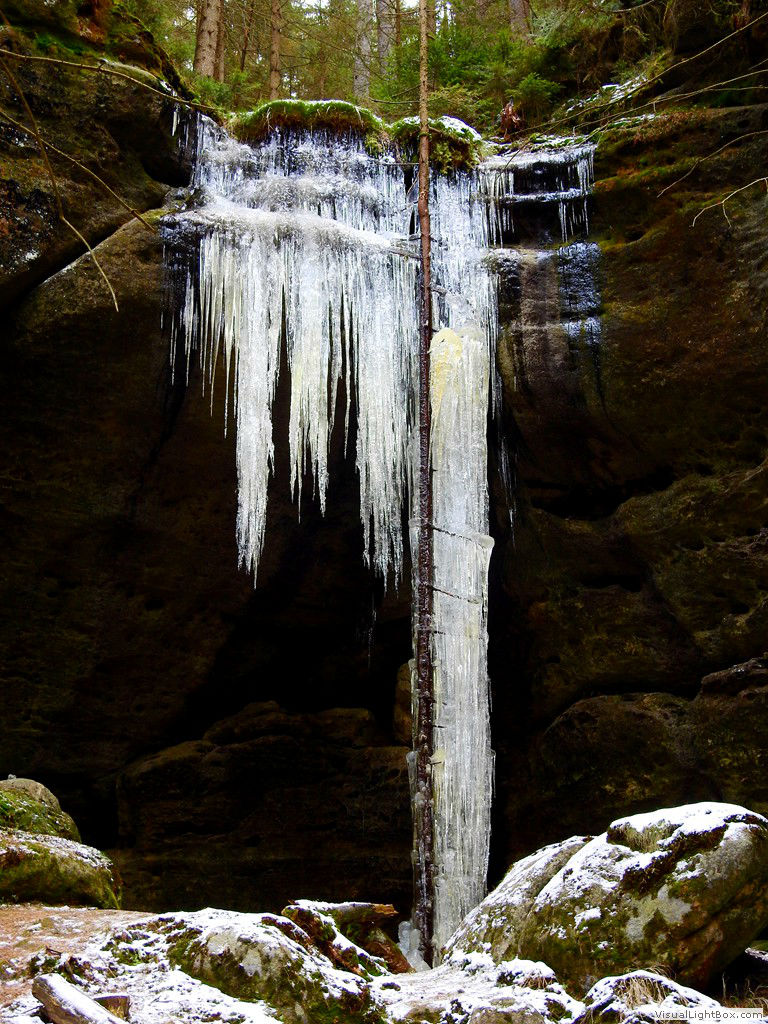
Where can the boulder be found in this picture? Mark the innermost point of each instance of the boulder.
(270, 958)
(472, 989)
(52, 870)
(686, 888)
(36, 790)
(640, 997)
(19, 809)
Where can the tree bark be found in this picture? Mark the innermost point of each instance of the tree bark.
(362, 68)
(431, 17)
(384, 31)
(423, 809)
(208, 23)
(247, 29)
(520, 17)
(221, 47)
(275, 49)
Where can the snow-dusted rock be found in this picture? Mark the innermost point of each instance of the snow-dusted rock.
(268, 958)
(49, 869)
(472, 989)
(496, 924)
(686, 888)
(640, 997)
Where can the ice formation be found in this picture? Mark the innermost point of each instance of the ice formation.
(304, 244)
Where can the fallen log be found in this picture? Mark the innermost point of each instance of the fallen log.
(65, 1004)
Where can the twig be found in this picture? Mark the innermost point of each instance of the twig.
(722, 202)
(60, 152)
(98, 266)
(709, 156)
(54, 183)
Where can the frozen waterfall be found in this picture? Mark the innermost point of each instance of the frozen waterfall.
(302, 247)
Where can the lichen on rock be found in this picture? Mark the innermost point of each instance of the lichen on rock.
(686, 888)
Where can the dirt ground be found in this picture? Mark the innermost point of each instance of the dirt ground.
(33, 932)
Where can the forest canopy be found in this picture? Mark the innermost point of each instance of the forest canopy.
(483, 53)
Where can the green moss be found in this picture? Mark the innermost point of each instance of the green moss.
(48, 870)
(331, 115)
(451, 148)
(20, 811)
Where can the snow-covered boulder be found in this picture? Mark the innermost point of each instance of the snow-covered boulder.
(268, 958)
(471, 988)
(53, 870)
(640, 997)
(686, 888)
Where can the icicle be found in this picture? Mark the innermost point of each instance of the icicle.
(305, 238)
(463, 759)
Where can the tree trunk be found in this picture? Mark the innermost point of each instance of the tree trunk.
(247, 29)
(65, 1004)
(520, 17)
(208, 23)
(221, 47)
(384, 31)
(398, 23)
(423, 804)
(431, 17)
(275, 49)
(362, 69)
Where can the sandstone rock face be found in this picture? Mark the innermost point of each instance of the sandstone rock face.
(277, 797)
(640, 556)
(685, 887)
(49, 869)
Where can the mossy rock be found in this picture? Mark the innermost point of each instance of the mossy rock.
(22, 812)
(334, 116)
(686, 888)
(453, 145)
(269, 958)
(49, 869)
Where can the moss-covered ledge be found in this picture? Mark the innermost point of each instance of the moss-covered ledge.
(454, 145)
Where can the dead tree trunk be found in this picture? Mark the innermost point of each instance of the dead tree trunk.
(423, 809)
(65, 1004)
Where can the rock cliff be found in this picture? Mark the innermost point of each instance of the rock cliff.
(168, 702)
